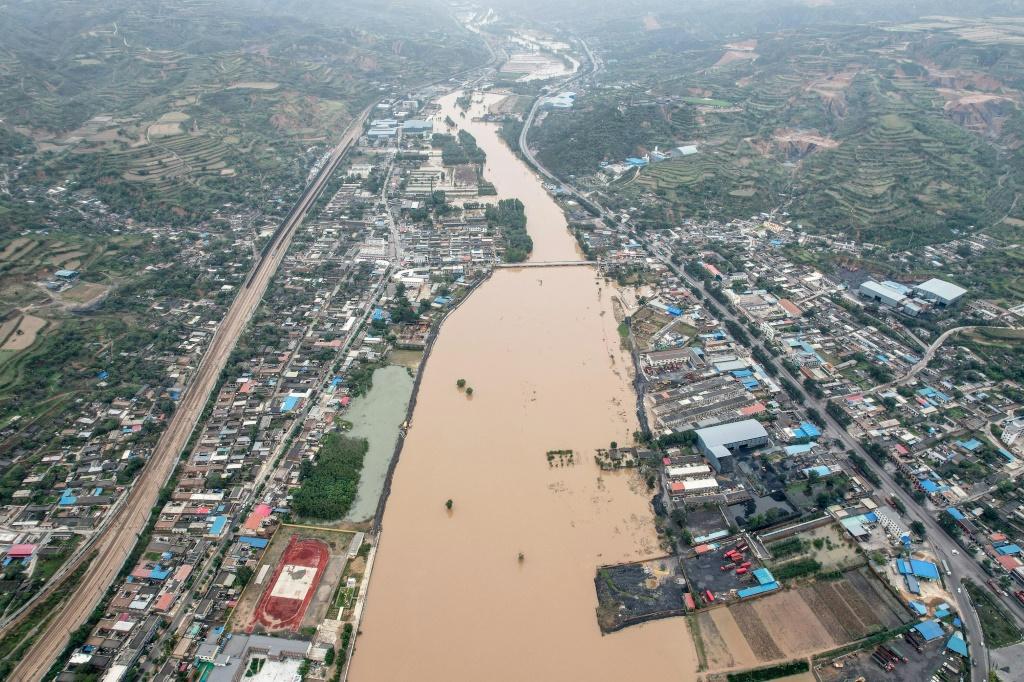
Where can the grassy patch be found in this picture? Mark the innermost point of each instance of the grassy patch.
(997, 626)
(707, 101)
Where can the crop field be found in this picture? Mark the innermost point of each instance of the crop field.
(890, 136)
(144, 113)
(24, 334)
(798, 622)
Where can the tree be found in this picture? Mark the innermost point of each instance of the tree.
(461, 383)
(449, 504)
(918, 529)
(469, 390)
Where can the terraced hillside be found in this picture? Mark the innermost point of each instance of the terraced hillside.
(166, 109)
(901, 134)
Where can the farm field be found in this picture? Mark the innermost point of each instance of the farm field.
(853, 129)
(24, 334)
(797, 622)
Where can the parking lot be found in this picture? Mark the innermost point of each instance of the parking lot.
(704, 572)
(919, 666)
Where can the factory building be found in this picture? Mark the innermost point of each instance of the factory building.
(940, 292)
(883, 292)
(718, 443)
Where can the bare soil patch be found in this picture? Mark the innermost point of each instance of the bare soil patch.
(25, 335)
(254, 85)
(794, 626)
(83, 293)
(724, 644)
(731, 56)
(753, 628)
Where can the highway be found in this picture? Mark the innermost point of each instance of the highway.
(113, 545)
(961, 566)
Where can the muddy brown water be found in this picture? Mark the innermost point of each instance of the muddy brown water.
(449, 598)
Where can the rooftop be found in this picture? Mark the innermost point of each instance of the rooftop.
(942, 289)
(722, 434)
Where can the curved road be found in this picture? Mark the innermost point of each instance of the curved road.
(113, 545)
(961, 566)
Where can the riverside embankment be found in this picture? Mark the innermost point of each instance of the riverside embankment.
(449, 597)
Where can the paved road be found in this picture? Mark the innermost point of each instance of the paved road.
(961, 566)
(112, 546)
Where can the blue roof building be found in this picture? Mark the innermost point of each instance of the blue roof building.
(257, 543)
(217, 527)
(754, 591)
(918, 569)
(929, 629)
(957, 644)
(913, 586)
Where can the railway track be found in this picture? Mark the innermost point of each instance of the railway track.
(113, 545)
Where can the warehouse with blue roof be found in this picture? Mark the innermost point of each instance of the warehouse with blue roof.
(918, 569)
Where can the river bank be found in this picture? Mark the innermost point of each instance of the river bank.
(377, 417)
(449, 597)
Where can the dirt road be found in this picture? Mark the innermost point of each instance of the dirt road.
(114, 544)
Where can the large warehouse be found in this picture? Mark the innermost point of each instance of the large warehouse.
(940, 292)
(719, 442)
(882, 292)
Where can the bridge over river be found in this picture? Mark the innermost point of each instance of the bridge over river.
(546, 264)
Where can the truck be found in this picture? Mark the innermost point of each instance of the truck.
(711, 597)
(896, 651)
(884, 664)
(740, 570)
(1019, 594)
(912, 641)
(728, 567)
(885, 655)
(945, 567)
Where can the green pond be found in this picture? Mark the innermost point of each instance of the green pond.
(377, 417)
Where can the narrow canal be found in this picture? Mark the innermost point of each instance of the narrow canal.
(449, 598)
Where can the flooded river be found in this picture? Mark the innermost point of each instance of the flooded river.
(377, 417)
(449, 599)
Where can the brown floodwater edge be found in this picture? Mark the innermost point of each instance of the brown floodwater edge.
(501, 587)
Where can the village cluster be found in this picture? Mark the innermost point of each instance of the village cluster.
(773, 394)
(224, 582)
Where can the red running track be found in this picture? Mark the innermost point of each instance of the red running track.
(282, 613)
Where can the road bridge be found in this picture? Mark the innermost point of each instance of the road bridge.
(547, 264)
